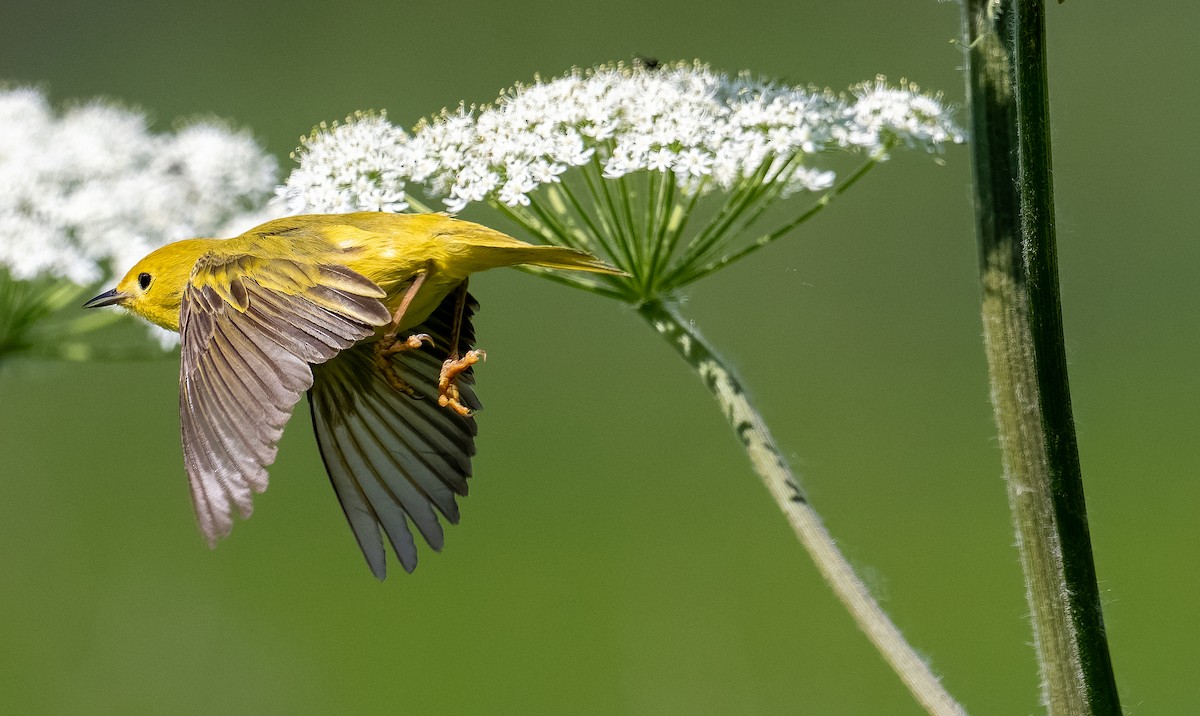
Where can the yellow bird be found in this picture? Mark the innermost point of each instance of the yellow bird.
(369, 314)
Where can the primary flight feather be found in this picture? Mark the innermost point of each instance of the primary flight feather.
(369, 315)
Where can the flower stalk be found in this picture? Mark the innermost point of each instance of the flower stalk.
(770, 466)
(1007, 89)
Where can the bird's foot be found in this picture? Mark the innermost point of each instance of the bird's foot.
(393, 346)
(448, 396)
(385, 348)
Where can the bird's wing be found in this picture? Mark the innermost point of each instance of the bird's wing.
(394, 458)
(249, 328)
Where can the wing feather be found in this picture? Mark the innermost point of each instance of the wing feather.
(363, 521)
(327, 337)
(393, 459)
(360, 451)
(250, 328)
(438, 480)
(389, 472)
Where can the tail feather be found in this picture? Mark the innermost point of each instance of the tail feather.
(491, 248)
(559, 257)
(479, 247)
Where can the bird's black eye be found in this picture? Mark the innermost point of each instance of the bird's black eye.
(144, 280)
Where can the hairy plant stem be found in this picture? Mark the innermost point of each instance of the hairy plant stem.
(766, 460)
(1007, 91)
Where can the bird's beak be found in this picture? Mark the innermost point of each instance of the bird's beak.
(107, 298)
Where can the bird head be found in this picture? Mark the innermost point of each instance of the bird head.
(153, 288)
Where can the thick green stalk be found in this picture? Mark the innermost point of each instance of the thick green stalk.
(1007, 90)
(766, 460)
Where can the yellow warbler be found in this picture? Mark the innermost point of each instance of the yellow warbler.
(369, 314)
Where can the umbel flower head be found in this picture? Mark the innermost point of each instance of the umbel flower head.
(88, 191)
(616, 159)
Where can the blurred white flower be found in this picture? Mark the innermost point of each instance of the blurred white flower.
(87, 192)
(90, 191)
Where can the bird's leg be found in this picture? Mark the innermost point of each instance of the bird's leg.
(387, 345)
(460, 308)
(448, 396)
(405, 302)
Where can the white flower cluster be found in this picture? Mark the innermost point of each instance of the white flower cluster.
(93, 190)
(362, 171)
(712, 131)
(881, 112)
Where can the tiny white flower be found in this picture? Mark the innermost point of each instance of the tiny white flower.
(659, 160)
(693, 163)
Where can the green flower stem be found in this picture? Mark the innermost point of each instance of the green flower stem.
(590, 228)
(606, 214)
(768, 463)
(417, 205)
(735, 206)
(664, 203)
(1006, 87)
(769, 192)
(656, 184)
(636, 239)
(547, 225)
(825, 200)
(676, 223)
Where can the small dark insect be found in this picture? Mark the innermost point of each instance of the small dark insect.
(646, 63)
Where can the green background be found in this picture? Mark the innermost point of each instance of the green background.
(616, 555)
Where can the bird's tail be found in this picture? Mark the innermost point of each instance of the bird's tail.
(559, 257)
(489, 248)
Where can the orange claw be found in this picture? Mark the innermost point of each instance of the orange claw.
(386, 347)
(394, 346)
(448, 396)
